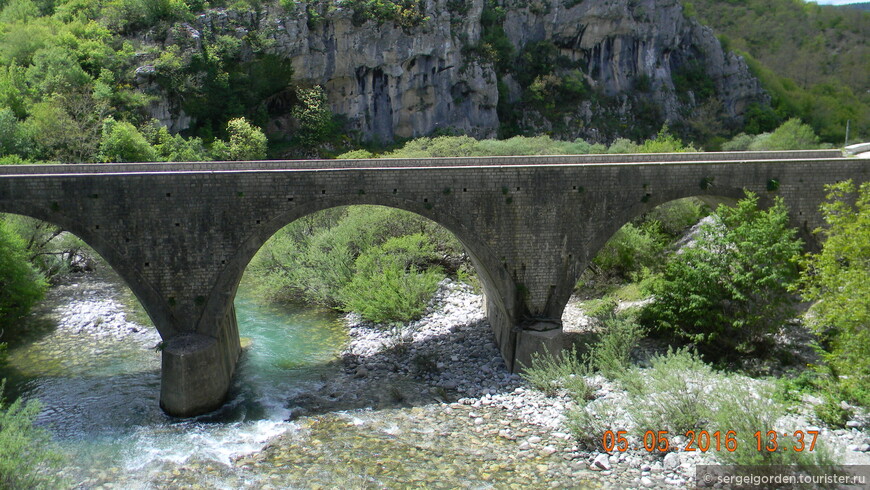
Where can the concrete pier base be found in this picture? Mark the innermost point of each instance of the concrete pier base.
(531, 341)
(198, 370)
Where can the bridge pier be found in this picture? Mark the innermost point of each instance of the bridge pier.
(518, 341)
(197, 369)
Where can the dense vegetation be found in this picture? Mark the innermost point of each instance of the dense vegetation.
(24, 448)
(836, 279)
(729, 291)
(812, 59)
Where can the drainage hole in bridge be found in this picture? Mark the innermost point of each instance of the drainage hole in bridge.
(177, 224)
(168, 194)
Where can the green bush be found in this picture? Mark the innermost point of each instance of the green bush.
(588, 423)
(836, 280)
(27, 459)
(314, 258)
(729, 290)
(791, 135)
(394, 281)
(611, 354)
(747, 411)
(630, 250)
(247, 142)
(831, 412)
(671, 394)
(550, 373)
(664, 142)
(674, 217)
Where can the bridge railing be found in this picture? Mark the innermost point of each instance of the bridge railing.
(699, 157)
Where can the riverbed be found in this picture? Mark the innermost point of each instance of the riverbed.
(297, 416)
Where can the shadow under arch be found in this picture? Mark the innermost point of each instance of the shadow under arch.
(489, 270)
(147, 297)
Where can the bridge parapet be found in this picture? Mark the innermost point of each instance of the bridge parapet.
(631, 158)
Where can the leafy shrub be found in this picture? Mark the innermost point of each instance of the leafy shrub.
(314, 258)
(550, 373)
(393, 282)
(611, 354)
(791, 135)
(26, 456)
(831, 412)
(731, 288)
(664, 142)
(247, 142)
(674, 217)
(630, 250)
(746, 411)
(836, 279)
(313, 114)
(588, 423)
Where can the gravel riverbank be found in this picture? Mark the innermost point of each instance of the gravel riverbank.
(437, 402)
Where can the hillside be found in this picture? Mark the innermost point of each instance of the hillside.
(137, 79)
(814, 60)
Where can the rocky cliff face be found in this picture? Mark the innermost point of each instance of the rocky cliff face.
(393, 81)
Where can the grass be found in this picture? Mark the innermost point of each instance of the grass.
(552, 373)
(671, 395)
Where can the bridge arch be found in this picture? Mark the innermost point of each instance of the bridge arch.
(490, 271)
(150, 299)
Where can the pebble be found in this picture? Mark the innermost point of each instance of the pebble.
(602, 461)
(672, 461)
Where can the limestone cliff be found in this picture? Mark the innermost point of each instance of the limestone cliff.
(398, 81)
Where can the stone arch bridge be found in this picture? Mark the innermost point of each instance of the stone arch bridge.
(182, 234)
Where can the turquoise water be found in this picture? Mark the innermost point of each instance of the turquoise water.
(100, 393)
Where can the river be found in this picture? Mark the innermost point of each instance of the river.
(90, 360)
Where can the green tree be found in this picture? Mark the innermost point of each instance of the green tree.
(22, 285)
(664, 142)
(791, 135)
(122, 142)
(55, 70)
(313, 115)
(14, 137)
(247, 142)
(731, 288)
(836, 279)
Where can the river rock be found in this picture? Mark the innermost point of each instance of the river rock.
(671, 461)
(602, 461)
